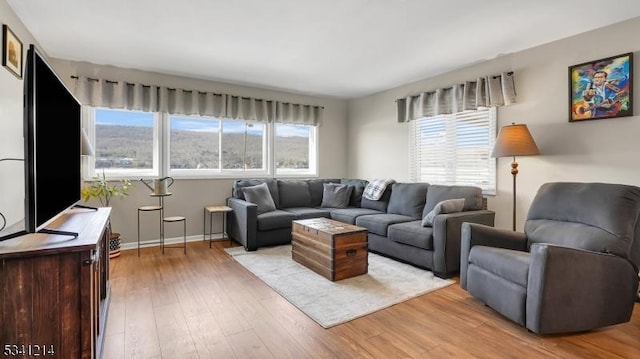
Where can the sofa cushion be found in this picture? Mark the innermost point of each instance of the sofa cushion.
(275, 220)
(306, 212)
(271, 183)
(336, 195)
(259, 195)
(378, 223)
(379, 205)
(349, 215)
(358, 189)
(408, 199)
(446, 206)
(294, 193)
(316, 187)
(412, 233)
(438, 193)
(505, 263)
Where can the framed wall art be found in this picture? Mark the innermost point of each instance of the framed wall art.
(601, 89)
(11, 52)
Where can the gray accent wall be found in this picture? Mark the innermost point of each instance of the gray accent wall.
(600, 150)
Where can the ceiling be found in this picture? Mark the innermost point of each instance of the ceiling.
(336, 48)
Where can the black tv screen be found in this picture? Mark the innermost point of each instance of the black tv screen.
(52, 144)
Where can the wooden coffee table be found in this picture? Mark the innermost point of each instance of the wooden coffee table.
(333, 249)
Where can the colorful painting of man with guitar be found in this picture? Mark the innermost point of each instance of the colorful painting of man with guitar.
(601, 89)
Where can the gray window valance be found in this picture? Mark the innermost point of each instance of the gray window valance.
(489, 91)
(150, 98)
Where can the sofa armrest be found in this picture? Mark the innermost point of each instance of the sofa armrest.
(242, 222)
(446, 238)
(482, 235)
(572, 290)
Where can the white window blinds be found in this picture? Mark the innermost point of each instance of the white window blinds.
(454, 149)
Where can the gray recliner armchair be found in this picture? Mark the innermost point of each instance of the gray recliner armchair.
(574, 268)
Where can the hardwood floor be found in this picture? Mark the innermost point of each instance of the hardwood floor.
(205, 305)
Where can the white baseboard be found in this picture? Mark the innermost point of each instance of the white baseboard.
(169, 241)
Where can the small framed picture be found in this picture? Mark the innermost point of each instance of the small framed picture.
(11, 52)
(601, 89)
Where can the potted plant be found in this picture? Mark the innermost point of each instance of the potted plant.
(104, 192)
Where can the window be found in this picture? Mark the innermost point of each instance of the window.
(243, 145)
(194, 143)
(199, 145)
(131, 143)
(454, 149)
(125, 142)
(295, 149)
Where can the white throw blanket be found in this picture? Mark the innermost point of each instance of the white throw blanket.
(375, 188)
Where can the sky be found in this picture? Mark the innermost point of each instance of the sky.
(142, 119)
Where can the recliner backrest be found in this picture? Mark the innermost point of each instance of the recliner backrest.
(593, 216)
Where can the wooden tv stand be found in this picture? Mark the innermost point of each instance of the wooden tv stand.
(54, 290)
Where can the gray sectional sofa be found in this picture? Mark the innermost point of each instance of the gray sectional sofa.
(394, 222)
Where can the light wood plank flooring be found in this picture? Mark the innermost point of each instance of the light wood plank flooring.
(205, 305)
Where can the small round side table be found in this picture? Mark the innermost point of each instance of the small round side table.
(149, 209)
(211, 210)
(175, 219)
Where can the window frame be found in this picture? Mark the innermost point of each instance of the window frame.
(451, 169)
(219, 172)
(162, 153)
(89, 171)
(313, 157)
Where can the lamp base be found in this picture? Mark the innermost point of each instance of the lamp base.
(514, 172)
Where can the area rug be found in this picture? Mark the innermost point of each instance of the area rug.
(387, 282)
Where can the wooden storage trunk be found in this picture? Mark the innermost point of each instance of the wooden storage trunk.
(330, 248)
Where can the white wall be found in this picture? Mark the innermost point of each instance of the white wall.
(190, 196)
(11, 129)
(601, 150)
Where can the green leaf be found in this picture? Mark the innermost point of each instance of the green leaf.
(104, 191)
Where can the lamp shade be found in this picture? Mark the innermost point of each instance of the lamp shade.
(514, 140)
(85, 145)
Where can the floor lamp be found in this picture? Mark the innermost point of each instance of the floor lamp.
(514, 140)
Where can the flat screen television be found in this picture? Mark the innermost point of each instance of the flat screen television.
(52, 125)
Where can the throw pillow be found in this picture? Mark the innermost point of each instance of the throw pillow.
(261, 196)
(446, 206)
(336, 195)
(375, 189)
